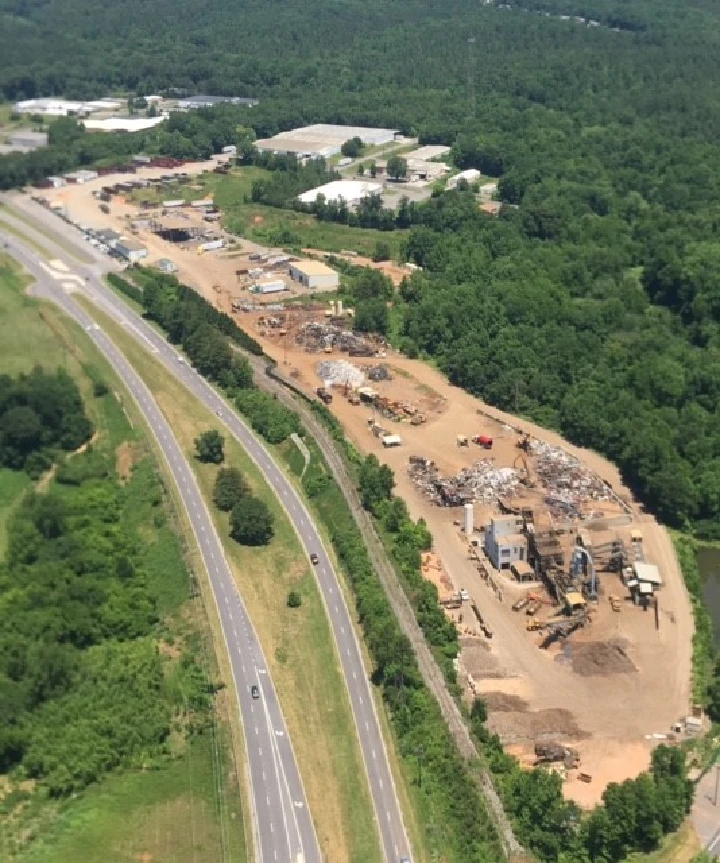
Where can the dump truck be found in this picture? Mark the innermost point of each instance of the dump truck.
(614, 602)
(324, 395)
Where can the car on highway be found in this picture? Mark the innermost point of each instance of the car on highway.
(314, 559)
(255, 691)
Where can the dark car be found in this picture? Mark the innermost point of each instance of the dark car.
(255, 691)
(314, 559)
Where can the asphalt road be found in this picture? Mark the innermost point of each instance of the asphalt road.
(283, 826)
(388, 814)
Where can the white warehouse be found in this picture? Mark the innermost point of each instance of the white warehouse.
(350, 191)
(323, 140)
(315, 275)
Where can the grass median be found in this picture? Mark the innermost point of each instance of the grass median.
(297, 643)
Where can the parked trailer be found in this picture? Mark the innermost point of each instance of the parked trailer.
(391, 440)
(212, 245)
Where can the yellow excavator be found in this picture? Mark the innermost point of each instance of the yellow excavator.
(523, 468)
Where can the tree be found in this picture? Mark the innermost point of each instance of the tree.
(209, 447)
(251, 522)
(382, 252)
(371, 316)
(230, 487)
(397, 168)
(376, 482)
(352, 148)
(294, 600)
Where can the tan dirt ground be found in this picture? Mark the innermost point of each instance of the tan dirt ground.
(395, 272)
(612, 713)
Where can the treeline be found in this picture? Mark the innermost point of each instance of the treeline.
(192, 136)
(448, 794)
(289, 178)
(83, 688)
(369, 212)
(40, 413)
(564, 332)
(408, 540)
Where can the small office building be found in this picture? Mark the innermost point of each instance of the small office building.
(505, 544)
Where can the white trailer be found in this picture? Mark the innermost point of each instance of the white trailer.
(391, 440)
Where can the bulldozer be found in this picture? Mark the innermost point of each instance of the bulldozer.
(534, 625)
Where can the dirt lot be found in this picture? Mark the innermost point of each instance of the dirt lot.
(213, 274)
(615, 682)
(395, 272)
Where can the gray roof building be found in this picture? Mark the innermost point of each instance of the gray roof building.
(192, 102)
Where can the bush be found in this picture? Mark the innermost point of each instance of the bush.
(294, 600)
(209, 447)
(230, 487)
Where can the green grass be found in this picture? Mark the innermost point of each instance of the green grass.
(184, 809)
(11, 229)
(164, 816)
(271, 226)
(298, 644)
(12, 485)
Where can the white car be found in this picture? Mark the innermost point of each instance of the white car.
(464, 595)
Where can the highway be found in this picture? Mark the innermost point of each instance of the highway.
(282, 823)
(387, 809)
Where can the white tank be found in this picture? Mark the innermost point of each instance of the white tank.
(469, 519)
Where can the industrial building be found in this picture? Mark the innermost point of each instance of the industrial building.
(426, 154)
(315, 275)
(130, 250)
(504, 542)
(192, 103)
(25, 139)
(123, 124)
(80, 177)
(323, 140)
(108, 236)
(350, 191)
(472, 175)
(65, 107)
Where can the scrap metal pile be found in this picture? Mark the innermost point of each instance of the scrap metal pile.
(340, 373)
(315, 336)
(567, 481)
(379, 373)
(482, 481)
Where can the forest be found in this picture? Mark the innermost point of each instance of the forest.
(83, 687)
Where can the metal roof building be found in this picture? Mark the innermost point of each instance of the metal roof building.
(350, 191)
(323, 139)
(314, 274)
(193, 102)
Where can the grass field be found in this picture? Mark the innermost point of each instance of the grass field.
(297, 643)
(184, 810)
(275, 227)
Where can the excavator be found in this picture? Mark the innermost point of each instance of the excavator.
(526, 477)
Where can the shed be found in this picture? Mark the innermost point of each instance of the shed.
(648, 572)
(522, 571)
(636, 535)
(131, 250)
(167, 266)
(314, 274)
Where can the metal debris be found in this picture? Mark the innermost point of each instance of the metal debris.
(379, 373)
(482, 481)
(340, 373)
(567, 481)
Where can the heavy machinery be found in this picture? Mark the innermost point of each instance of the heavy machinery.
(582, 563)
(534, 625)
(614, 602)
(524, 443)
(521, 465)
(462, 440)
(546, 753)
(483, 440)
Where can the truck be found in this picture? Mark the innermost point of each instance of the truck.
(520, 604)
(391, 440)
(483, 440)
(324, 395)
(533, 607)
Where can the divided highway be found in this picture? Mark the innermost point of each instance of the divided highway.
(388, 814)
(283, 826)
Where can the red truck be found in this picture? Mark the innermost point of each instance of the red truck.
(483, 440)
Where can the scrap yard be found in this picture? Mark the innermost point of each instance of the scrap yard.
(571, 612)
(572, 616)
